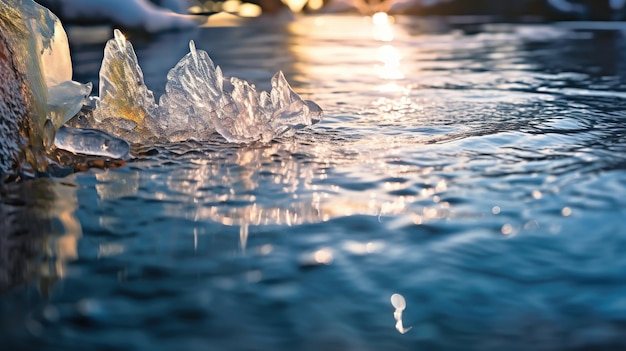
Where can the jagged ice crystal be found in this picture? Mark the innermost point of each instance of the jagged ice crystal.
(195, 104)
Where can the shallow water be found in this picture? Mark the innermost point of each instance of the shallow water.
(475, 169)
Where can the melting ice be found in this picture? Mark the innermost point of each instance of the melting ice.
(196, 103)
(91, 141)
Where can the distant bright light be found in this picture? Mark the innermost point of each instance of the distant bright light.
(315, 4)
(249, 10)
(295, 5)
(383, 26)
(231, 5)
(380, 18)
(195, 9)
(390, 57)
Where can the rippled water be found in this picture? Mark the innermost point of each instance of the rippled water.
(476, 169)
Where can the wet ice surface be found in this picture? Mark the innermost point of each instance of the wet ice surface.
(91, 142)
(475, 170)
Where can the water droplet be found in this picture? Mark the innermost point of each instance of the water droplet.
(317, 258)
(323, 256)
(566, 211)
(507, 229)
(398, 301)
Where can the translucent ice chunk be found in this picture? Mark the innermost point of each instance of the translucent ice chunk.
(123, 93)
(289, 111)
(243, 118)
(51, 73)
(195, 89)
(91, 142)
(65, 100)
(195, 104)
(192, 97)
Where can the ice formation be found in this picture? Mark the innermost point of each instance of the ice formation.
(39, 97)
(91, 142)
(40, 59)
(196, 103)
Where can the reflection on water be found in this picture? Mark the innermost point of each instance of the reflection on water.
(472, 172)
(276, 184)
(39, 231)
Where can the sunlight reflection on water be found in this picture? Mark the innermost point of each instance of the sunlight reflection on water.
(476, 168)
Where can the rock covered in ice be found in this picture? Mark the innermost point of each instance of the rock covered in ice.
(13, 108)
(45, 55)
(195, 104)
(40, 61)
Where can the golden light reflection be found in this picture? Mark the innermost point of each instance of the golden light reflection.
(381, 19)
(115, 185)
(359, 248)
(383, 27)
(366, 46)
(224, 19)
(42, 233)
(62, 247)
(324, 256)
(275, 184)
(295, 5)
(315, 4)
(319, 257)
(390, 57)
(249, 10)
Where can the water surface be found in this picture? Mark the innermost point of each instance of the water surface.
(476, 169)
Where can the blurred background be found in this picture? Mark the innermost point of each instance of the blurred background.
(604, 10)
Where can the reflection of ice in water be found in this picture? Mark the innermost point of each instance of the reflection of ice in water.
(40, 232)
(196, 103)
(248, 187)
(399, 303)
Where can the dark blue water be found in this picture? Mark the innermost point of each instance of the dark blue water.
(479, 170)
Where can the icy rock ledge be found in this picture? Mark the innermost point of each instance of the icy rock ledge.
(195, 104)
